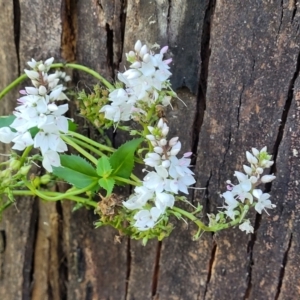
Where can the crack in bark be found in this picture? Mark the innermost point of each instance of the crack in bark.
(281, 17)
(128, 272)
(17, 30)
(201, 95)
(239, 106)
(282, 271)
(122, 17)
(28, 268)
(69, 32)
(250, 255)
(224, 156)
(284, 115)
(110, 49)
(156, 270)
(294, 10)
(211, 264)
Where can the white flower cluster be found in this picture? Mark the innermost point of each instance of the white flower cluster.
(171, 175)
(245, 192)
(38, 109)
(145, 83)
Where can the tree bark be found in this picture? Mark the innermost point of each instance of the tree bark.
(236, 66)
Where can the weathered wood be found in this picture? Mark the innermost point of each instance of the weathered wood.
(236, 66)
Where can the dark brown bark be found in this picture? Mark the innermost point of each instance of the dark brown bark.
(236, 66)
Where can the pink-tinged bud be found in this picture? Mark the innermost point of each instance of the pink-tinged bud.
(22, 92)
(247, 170)
(138, 46)
(146, 58)
(168, 61)
(143, 51)
(187, 154)
(173, 141)
(164, 49)
(267, 178)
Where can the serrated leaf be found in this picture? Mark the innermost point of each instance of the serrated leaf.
(103, 167)
(107, 184)
(76, 171)
(122, 160)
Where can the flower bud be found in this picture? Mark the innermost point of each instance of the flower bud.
(255, 152)
(150, 137)
(164, 49)
(143, 51)
(163, 142)
(166, 164)
(146, 58)
(259, 170)
(158, 150)
(267, 178)
(24, 170)
(137, 46)
(41, 68)
(251, 159)
(45, 179)
(14, 164)
(173, 141)
(135, 65)
(247, 170)
(42, 90)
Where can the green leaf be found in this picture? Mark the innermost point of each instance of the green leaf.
(76, 171)
(122, 160)
(72, 126)
(103, 167)
(107, 184)
(5, 121)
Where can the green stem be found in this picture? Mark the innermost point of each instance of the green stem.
(127, 181)
(24, 155)
(12, 85)
(91, 142)
(192, 218)
(89, 147)
(79, 149)
(86, 70)
(91, 72)
(54, 194)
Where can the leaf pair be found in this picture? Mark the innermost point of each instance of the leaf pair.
(112, 170)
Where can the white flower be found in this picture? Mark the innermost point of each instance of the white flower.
(164, 200)
(6, 135)
(246, 226)
(156, 181)
(146, 219)
(263, 201)
(22, 141)
(232, 204)
(139, 199)
(179, 167)
(50, 159)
